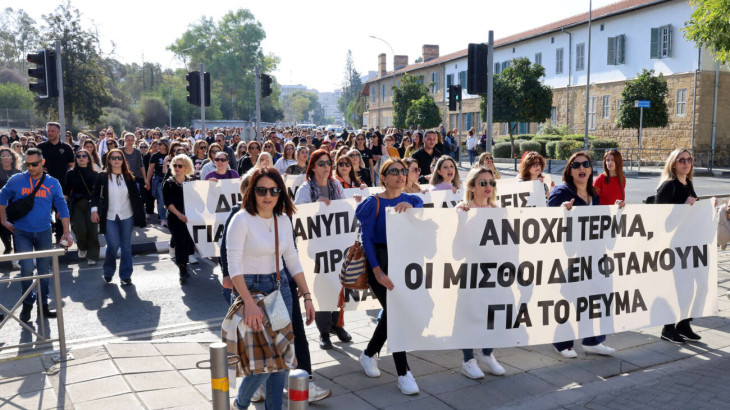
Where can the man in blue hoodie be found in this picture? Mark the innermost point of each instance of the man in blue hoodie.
(33, 231)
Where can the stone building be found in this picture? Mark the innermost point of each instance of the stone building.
(626, 37)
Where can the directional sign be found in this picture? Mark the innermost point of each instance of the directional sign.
(642, 103)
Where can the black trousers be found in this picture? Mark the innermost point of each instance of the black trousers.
(301, 346)
(7, 239)
(326, 320)
(184, 246)
(381, 330)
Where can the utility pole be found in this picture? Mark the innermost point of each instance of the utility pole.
(588, 73)
(258, 103)
(59, 84)
(461, 130)
(202, 99)
(490, 91)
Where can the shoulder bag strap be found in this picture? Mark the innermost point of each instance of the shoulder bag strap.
(81, 174)
(38, 185)
(276, 236)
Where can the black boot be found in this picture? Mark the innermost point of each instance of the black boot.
(184, 275)
(47, 312)
(25, 313)
(669, 333)
(685, 330)
(324, 341)
(341, 334)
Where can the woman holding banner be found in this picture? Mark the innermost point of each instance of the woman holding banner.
(611, 184)
(531, 168)
(445, 175)
(577, 190)
(371, 214)
(322, 187)
(222, 171)
(675, 187)
(172, 193)
(480, 192)
(252, 266)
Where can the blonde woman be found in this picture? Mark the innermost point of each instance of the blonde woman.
(264, 160)
(445, 175)
(172, 193)
(486, 160)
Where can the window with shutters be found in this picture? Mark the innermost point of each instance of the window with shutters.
(449, 80)
(462, 79)
(559, 61)
(592, 102)
(681, 102)
(497, 68)
(524, 127)
(553, 116)
(618, 106)
(616, 50)
(372, 93)
(606, 107)
(661, 42)
(506, 64)
(382, 92)
(435, 81)
(538, 58)
(580, 55)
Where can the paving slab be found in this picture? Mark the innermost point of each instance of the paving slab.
(41, 399)
(128, 365)
(88, 371)
(387, 395)
(156, 380)
(121, 402)
(97, 389)
(196, 376)
(119, 350)
(420, 403)
(175, 397)
(347, 401)
(23, 385)
(172, 349)
(529, 360)
(20, 367)
(188, 361)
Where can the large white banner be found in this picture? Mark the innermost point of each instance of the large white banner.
(207, 205)
(521, 276)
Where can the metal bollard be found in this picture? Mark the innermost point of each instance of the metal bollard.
(298, 390)
(219, 376)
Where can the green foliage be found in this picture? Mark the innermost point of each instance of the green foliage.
(15, 96)
(153, 112)
(351, 89)
(565, 149)
(502, 150)
(409, 90)
(355, 110)
(300, 103)
(598, 147)
(548, 129)
(18, 36)
(578, 137)
(532, 146)
(119, 119)
(709, 25)
(425, 112)
(551, 149)
(645, 86)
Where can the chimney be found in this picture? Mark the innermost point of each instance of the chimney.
(399, 62)
(430, 51)
(381, 65)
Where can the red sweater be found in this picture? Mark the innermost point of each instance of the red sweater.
(609, 193)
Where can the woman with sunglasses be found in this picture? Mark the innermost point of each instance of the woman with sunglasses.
(8, 168)
(390, 150)
(221, 169)
(577, 190)
(172, 192)
(346, 175)
(90, 147)
(367, 158)
(531, 167)
(363, 173)
(248, 161)
(200, 151)
(371, 214)
(156, 172)
(676, 187)
(110, 145)
(240, 151)
(445, 175)
(117, 207)
(77, 190)
(287, 159)
(487, 161)
(209, 165)
(252, 267)
(148, 149)
(480, 192)
(271, 149)
(611, 184)
(412, 186)
(404, 144)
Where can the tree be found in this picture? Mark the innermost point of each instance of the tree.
(709, 25)
(154, 112)
(424, 112)
(410, 89)
(645, 86)
(15, 96)
(355, 110)
(301, 103)
(18, 37)
(85, 85)
(351, 90)
(519, 96)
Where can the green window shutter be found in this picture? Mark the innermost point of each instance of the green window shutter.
(621, 49)
(655, 51)
(669, 40)
(611, 55)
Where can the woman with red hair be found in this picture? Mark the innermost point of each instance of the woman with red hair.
(611, 184)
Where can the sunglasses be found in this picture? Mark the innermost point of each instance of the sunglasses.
(5, 156)
(178, 166)
(685, 161)
(80, 156)
(143, 147)
(32, 164)
(344, 164)
(324, 163)
(254, 148)
(395, 171)
(261, 191)
(115, 158)
(491, 183)
(584, 164)
(221, 160)
(214, 152)
(488, 158)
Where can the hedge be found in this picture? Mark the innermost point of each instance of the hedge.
(502, 150)
(550, 149)
(598, 147)
(577, 137)
(549, 137)
(565, 149)
(531, 146)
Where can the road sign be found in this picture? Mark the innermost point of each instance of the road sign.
(642, 103)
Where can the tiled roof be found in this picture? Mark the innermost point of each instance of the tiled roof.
(599, 13)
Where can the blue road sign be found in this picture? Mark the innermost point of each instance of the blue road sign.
(642, 103)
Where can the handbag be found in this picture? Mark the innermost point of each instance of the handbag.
(353, 274)
(274, 302)
(20, 208)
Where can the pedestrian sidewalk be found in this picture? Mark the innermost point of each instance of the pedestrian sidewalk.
(644, 373)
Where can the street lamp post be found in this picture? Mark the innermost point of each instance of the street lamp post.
(386, 43)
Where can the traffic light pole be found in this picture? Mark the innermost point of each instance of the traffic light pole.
(461, 132)
(258, 104)
(202, 100)
(490, 90)
(59, 83)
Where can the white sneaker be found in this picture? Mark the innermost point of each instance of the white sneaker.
(568, 353)
(82, 254)
(192, 259)
(491, 362)
(471, 369)
(91, 262)
(370, 365)
(317, 393)
(600, 349)
(407, 384)
(259, 395)
(172, 251)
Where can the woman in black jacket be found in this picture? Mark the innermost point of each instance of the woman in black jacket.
(117, 207)
(675, 187)
(172, 194)
(77, 191)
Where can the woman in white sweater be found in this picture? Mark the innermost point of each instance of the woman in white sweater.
(267, 209)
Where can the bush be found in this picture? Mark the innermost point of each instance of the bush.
(531, 146)
(550, 148)
(577, 137)
(549, 137)
(548, 129)
(543, 146)
(565, 149)
(502, 150)
(526, 137)
(598, 147)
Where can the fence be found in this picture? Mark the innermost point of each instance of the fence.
(20, 119)
(43, 335)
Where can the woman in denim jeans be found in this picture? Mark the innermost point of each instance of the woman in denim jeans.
(252, 265)
(156, 173)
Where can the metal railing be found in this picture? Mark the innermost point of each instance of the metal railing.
(42, 336)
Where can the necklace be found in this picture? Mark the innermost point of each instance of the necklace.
(270, 226)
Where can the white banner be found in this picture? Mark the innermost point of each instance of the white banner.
(515, 277)
(293, 182)
(207, 205)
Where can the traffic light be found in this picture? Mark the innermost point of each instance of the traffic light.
(206, 81)
(476, 73)
(193, 87)
(454, 96)
(265, 85)
(44, 73)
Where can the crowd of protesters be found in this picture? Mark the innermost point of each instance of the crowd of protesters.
(109, 183)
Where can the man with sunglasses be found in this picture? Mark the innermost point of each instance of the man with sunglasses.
(32, 232)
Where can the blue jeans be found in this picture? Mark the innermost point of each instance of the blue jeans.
(469, 353)
(119, 235)
(157, 193)
(29, 242)
(274, 381)
(472, 156)
(588, 341)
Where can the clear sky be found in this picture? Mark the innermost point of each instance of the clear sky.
(312, 37)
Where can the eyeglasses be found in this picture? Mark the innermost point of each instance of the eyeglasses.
(115, 158)
(344, 164)
(684, 161)
(395, 171)
(5, 156)
(491, 183)
(254, 148)
(79, 156)
(584, 164)
(32, 164)
(261, 191)
(324, 163)
(178, 166)
(221, 160)
(202, 146)
(143, 147)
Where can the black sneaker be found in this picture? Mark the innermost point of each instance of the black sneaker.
(107, 279)
(25, 313)
(324, 341)
(670, 335)
(341, 334)
(126, 282)
(685, 331)
(48, 313)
